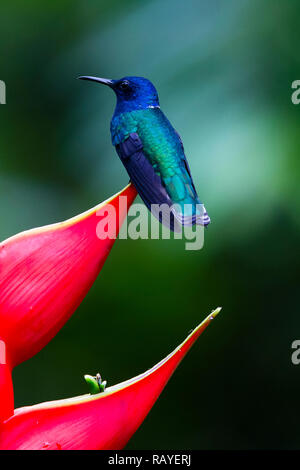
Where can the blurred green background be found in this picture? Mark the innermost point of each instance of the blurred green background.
(224, 72)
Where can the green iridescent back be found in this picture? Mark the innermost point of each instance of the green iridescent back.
(162, 146)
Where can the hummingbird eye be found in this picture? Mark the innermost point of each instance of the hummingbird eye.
(124, 86)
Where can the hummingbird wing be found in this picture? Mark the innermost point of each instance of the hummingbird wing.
(150, 186)
(147, 182)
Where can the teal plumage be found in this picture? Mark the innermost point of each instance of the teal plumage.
(162, 146)
(157, 164)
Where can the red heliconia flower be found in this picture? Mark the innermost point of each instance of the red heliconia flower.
(6, 386)
(93, 422)
(45, 273)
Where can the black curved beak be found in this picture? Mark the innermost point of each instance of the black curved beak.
(104, 81)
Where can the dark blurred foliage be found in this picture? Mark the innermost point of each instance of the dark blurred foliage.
(224, 72)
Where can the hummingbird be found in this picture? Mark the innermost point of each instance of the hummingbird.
(153, 154)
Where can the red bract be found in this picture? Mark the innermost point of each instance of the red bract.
(6, 386)
(44, 275)
(103, 421)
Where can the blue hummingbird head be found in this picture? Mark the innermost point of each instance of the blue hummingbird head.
(132, 92)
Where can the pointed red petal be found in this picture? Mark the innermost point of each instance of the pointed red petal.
(46, 273)
(104, 421)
